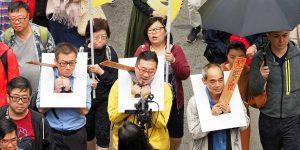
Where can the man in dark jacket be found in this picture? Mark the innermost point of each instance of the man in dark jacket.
(275, 69)
(30, 123)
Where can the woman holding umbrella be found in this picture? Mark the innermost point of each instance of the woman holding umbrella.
(98, 123)
(156, 40)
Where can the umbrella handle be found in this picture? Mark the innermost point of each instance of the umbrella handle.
(264, 58)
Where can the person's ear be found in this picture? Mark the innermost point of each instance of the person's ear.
(204, 81)
(7, 98)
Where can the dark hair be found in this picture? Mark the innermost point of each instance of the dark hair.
(236, 45)
(16, 6)
(99, 24)
(131, 137)
(151, 21)
(19, 83)
(65, 48)
(7, 126)
(148, 56)
(207, 67)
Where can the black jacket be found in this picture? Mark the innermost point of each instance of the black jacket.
(41, 128)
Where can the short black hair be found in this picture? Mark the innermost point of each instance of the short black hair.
(7, 126)
(236, 45)
(151, 21)
(98, 24)
(148, 56)
(19, 83)
(65, 48)
(131, 137)
(16, 6)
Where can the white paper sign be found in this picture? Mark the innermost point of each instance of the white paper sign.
(76, 99)
(126, 102)
(209, 122)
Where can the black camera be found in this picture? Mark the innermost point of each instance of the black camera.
(144, 114)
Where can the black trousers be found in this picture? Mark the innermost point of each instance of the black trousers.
(76, 141)
(279, 133)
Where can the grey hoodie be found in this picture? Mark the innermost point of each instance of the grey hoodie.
(283, 83)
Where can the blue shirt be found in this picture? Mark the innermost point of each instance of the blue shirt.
(67, 118)
(219, 137)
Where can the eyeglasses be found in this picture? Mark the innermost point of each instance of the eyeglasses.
(98, 37)
(16, 99)
(66, 63)
(7, 141)
(155, 30)
(19, 18)
(144, 70)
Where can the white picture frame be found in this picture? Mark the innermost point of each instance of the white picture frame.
(208, 122)
(76, 99)
(126, 102)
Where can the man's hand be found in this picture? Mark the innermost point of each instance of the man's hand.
(145, 91)
(264, 71)
(67, 84)
(216, 110)
(61, 82)
(96, 69)
(220, 108)
(225, 108)
(58, 84)
(136, 89)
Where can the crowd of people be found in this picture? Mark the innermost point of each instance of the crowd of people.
(30, 28)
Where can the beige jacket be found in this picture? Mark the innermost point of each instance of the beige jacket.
(200, 139)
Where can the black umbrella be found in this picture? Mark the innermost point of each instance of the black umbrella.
(247, 17)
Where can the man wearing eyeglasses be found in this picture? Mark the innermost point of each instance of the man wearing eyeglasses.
(145, 69)
(31, 124)
(67, 123)
(28, 41)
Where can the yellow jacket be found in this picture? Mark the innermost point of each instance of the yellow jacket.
(159, 138)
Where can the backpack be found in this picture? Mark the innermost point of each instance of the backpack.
(43, 35)
(4, 63)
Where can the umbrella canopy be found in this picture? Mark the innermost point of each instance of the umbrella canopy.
(247, 17)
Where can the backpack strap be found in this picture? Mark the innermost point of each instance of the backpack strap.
(7, 35)
(4, 63)
(44, 35)
(108, 53)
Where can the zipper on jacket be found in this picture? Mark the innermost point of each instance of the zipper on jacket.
(282, 90)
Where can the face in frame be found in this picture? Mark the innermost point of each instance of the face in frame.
(9, 142)
(145, 71)
(234, 53)
(19, 101)
(214, 81)
(157, 33)
(279, 39)
(66, 64)
(100, 38)
(19, 20)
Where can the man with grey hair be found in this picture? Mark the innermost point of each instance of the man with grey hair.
(213, 78)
